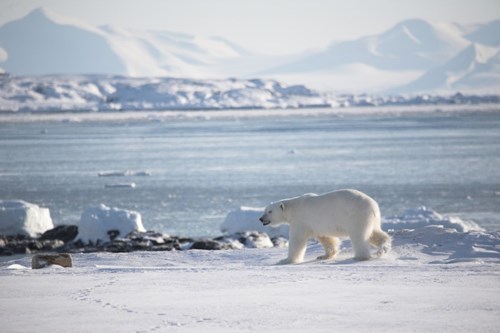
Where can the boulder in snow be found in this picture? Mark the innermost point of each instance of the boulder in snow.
(104, 223)
(44, 260)
(18, 217)
(66, 233)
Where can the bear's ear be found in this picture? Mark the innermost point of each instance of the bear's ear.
(282, 206)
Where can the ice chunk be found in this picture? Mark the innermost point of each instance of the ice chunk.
(100, 223)
(247, 219)
(127, 173)
(120, 185)
(18, 217)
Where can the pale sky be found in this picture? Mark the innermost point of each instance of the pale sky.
(263, 26)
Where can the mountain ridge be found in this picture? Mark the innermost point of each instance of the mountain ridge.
(43, 42)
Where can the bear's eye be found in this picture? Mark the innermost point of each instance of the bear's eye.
(269, 212)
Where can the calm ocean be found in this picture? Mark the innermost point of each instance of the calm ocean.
(202, 169)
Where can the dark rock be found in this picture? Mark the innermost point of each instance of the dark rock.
(162, 247)
(117, 246)
(6, 252)
(141, 245)
(207, 244)
(113, 234)
(78, 244)
(61, 239)
(66, 233)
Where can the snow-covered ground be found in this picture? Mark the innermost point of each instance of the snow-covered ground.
(442, 275)
(242, 290)
(92, 93)
(116, 93)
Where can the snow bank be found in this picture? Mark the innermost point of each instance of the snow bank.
(101, 223)
(247, 219)
(446, 239)
(422, 217)
(22, 218)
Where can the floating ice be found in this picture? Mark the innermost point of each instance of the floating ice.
(127, 173)
(120, 185)
(18, 217)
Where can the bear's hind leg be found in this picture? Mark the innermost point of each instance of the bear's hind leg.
(382, 241)
(331, 246)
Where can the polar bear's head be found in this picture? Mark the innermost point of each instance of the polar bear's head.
(274, 214)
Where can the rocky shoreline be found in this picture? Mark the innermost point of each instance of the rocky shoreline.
(63, 239)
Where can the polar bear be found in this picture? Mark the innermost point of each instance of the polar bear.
(342, 213)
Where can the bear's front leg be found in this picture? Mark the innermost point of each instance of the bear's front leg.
(296, 246)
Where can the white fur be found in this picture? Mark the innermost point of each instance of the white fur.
(343, 213)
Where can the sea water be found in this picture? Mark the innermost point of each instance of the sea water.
(188, 174)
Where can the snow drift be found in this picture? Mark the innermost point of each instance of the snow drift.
(23, 218)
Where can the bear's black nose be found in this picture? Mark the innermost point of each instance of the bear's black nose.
(261, 219)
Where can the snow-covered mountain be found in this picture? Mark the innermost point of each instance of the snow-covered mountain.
(413, 55)
(486, 34)
(409, 45)
(44, 43)
(477, 67)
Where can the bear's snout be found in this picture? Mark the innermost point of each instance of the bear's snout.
(264, 221)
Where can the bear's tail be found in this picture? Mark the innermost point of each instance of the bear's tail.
(382, 241)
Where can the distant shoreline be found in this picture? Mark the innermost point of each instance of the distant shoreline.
(119, 116)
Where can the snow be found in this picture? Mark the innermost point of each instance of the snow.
(43, 42)
(423, 216)
(108, 93)
(442, 275)
(415, 288)
(97, 222)
(474, 69)
(18, 217)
